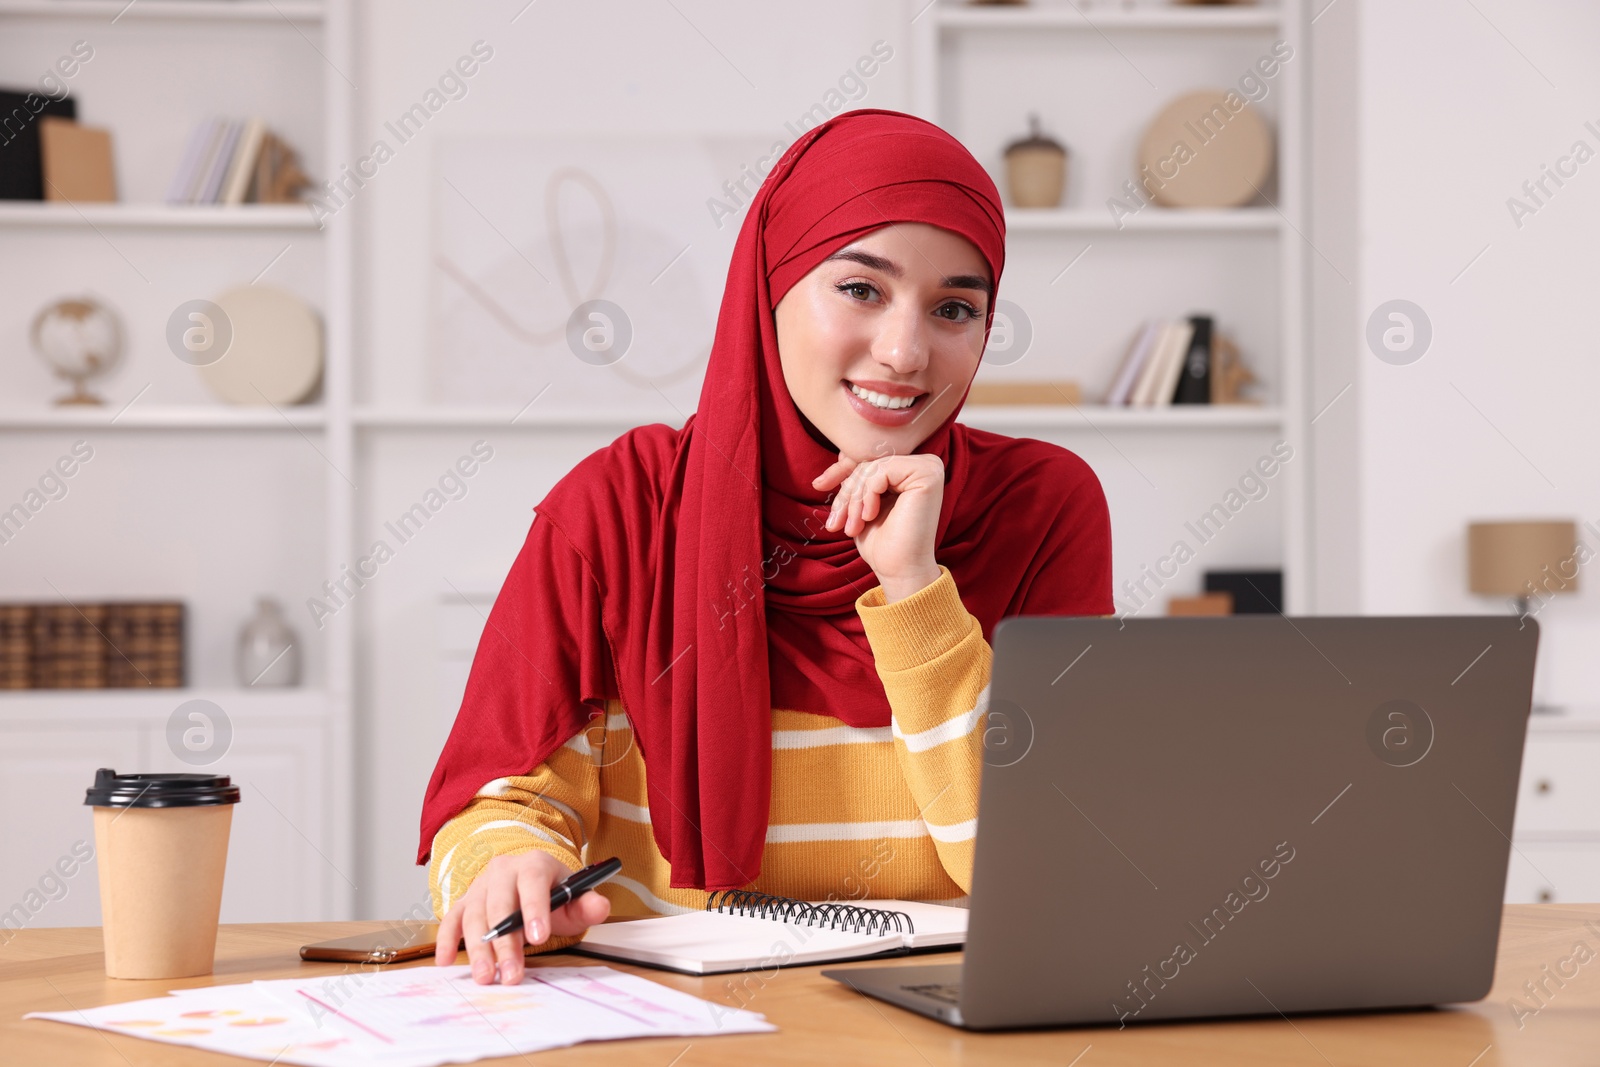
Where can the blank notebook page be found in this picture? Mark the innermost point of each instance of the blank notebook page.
(705, 942)
(933, 924)
(708, 942)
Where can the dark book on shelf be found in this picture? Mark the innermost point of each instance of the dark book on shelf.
(1194, 382)
(114, 645)
(68, 651)
(145, 646)
(21, 174)
(16, 667)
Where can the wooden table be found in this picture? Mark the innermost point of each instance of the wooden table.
(821, 1021)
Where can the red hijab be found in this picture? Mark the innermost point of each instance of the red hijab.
(687, 572)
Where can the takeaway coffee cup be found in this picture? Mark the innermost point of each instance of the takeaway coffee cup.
(162, 843)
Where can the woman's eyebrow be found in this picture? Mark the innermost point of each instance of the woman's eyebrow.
(892, 269)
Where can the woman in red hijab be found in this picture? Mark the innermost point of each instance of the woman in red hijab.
(754, 652)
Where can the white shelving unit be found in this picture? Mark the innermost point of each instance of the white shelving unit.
(191, 417)
(1100, 73)
(1065, 16)
(996, 417)
(293, 850)
(1238, 220)
(293, 11)
(158, 216)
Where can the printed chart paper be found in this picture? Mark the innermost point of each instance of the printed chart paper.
(415, 1017)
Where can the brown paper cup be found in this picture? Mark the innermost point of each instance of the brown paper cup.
(161, 871)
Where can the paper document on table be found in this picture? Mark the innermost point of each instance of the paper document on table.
(415, 1017)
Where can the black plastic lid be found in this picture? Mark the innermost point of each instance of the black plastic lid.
(1036, 138)
(113, 790)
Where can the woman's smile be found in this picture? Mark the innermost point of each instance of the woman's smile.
(884, 403)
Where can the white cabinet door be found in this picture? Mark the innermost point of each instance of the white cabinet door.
(277, 847)
(45, 827)
(280, 850)
(1554, 872)
(1560, 789)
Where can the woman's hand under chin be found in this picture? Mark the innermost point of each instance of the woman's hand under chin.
(890, 506)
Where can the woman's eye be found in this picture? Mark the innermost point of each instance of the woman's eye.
(860, 290)
(967, 311)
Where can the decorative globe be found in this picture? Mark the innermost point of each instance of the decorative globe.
(79, 339)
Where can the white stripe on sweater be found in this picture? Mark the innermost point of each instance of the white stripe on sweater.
(961, 831)
(502, 788)
(650, 900)
(793, 833)
(949, 730)
(537, 831)
(623, 810)
(832, 735)
(796, 832)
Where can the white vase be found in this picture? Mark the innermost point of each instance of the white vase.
(269, 651)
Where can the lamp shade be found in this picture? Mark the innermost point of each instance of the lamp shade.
(1519, 559)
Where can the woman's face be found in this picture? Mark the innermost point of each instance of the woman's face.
(899, 315)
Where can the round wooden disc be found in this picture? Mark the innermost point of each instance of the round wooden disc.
(276, 353)
(1204, 154)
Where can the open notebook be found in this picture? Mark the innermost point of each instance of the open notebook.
(741, 930)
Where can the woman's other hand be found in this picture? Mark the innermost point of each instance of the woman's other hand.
(890, 505)
(506, 884)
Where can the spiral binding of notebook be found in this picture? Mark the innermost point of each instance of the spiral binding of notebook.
(832, 916)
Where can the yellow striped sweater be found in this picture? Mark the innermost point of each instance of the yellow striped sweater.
(856, 813)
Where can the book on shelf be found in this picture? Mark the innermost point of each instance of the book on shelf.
(64, 643)
(1150, 368)
(21, 170)
(108, 645)
(15, 664)
(146, 645)
(1154, 388)
(1194, 372)
(237, 183)
(1179, 361)
(1133, 362)
(216, 133)
(212, 187)
(1172, 363)
(194, 153)
(75, 162)
(236, 161)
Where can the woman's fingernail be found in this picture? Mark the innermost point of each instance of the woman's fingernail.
(480, 970)
(536, 931)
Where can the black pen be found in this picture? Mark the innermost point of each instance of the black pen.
(563, 892)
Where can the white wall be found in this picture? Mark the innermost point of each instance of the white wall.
(1334, 335)
(1459, 105)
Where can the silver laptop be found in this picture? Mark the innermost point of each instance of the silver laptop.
(1192, 817)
